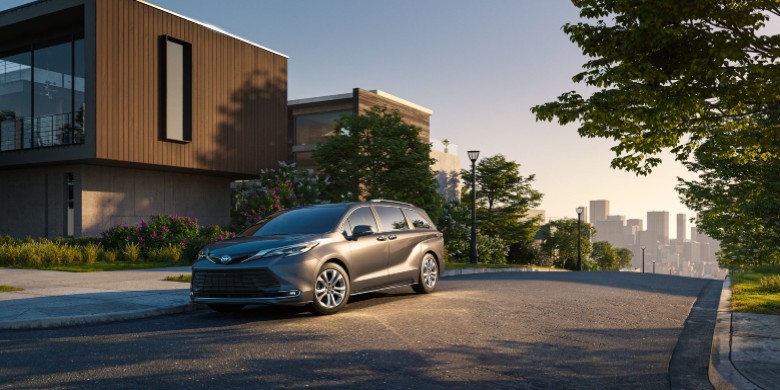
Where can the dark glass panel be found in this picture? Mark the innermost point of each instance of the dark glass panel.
(78, 90)
(392, 218)
(52, 94)
(312, 128)
(361, 216)
(15, 100)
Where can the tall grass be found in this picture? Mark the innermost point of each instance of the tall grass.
(39, 253)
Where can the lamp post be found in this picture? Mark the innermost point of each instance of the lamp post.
(579, 237)
(653, 267)
(643, 259)
(473, 156)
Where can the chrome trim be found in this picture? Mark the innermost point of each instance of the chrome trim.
(399, 285)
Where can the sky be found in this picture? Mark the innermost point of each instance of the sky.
(479, 65)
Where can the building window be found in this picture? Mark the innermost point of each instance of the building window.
(42, 95)
(311, 129)
(176, 89)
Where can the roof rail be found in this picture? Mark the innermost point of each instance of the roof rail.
(391, 201)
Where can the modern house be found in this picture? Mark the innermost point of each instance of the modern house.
(113, 111)
(313, 119)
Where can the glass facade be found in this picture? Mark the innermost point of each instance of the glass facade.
(310, 129)
(42, 95)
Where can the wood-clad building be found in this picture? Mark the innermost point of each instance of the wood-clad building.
(113, 111)
(312, 119)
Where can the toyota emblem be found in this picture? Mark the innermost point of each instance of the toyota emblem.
(225, 259)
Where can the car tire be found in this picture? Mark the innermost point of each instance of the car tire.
(429, 275)
(225, 307)
(331, 290)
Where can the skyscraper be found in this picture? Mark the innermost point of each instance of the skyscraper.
(599, 210)
(681, 227)
(658, 224)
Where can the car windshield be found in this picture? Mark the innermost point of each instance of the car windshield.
(310, 220)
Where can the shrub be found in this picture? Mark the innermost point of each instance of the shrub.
(771, 283)
(490, 250)
(170, 254)
(108, 256)
(131, 252)
(89, 253)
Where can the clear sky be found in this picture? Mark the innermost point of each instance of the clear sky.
(479, 65)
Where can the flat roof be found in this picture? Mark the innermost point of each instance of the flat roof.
(215, 28)
(323, 99)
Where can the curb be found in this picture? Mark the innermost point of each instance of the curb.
(722, 373)
(97, 318)
(473, 271)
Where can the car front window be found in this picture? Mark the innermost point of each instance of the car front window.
(310, 220)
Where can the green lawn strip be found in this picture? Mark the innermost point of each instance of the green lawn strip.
(185, 278)
(749, 296)
(9, 288)
(103, 266)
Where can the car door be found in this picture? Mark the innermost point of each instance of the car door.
(402, 250)
(368, 254)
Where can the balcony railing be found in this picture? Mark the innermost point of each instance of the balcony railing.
(41, 132)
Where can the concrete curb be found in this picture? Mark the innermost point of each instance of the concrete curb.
(722, 373)
(97, 318)
(473, 271)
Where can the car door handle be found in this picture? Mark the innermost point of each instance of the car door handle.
(392, 236)
(381, 238)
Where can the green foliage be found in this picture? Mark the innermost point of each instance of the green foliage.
(376, 155)
(754, 292)
(503, 200)
(771, 283)
(89, 253)
(184, 278)
(608, 258)
(131, 252)
(625, 257)
(4, 288)
(108, 256)
(169, 254)
(559, 242)
(38, 253)
(274, 190)
(672, 74)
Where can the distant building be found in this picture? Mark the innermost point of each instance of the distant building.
(681, 227)
(313, 119)
(658, 223)
(446, 168)
(599, 210)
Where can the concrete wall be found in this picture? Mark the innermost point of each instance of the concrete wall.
(122, 195)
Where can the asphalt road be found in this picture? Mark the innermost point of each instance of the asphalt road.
(509, 330)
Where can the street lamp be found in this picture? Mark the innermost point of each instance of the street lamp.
(643, 259)
(580, 210)
(653, 267)
(473, 156)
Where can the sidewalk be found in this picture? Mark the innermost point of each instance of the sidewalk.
(53, 298)
(745, 348)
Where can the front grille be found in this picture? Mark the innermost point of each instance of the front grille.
(255, 283)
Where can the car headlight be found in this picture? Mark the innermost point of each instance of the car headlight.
(285, 250)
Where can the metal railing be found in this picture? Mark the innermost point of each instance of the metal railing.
(41, 132)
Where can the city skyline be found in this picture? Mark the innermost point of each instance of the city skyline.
(479, 66)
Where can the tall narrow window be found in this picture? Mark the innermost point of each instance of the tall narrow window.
(69, 205)
(177, 89)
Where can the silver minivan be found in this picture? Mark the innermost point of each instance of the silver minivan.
(320, 255)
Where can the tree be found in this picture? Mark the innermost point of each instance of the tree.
(605, 256)
(625, 257)
(376, 155)
(673, 74)
(559, 242)
(503, 200)
(737, 197)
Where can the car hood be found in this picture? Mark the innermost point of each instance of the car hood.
(247, 246)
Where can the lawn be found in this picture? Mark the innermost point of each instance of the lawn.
(456, 265)
(184, 278)
(4, 288)
(108, 266)
(751, 296)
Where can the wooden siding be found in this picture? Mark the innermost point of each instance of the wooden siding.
(365, 100)
(239, 94)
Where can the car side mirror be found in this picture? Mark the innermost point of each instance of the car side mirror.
(362, 230)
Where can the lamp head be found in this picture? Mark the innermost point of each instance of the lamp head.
(580, 210)
(473, 155)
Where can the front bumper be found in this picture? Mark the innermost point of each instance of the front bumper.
(284, 280)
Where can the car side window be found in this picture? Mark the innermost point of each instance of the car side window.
(361, 216)
(418, 221)
(392, 218)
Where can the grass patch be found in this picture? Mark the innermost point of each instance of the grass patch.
(104, 266)
(755, 292)
(185, 278)
(9, 288)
